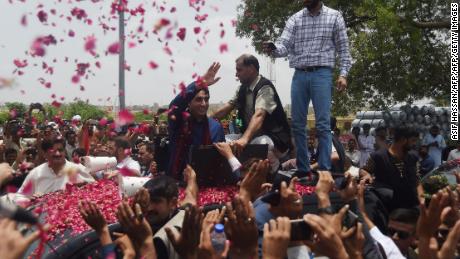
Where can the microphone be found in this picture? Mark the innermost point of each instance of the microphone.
(17, 213)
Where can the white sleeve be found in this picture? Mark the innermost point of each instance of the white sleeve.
(234, 163)
(390, 248)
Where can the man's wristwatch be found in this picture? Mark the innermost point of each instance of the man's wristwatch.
(326, 210)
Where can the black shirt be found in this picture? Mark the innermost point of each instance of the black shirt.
(399, 175)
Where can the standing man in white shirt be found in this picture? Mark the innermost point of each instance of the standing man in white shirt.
(454, 153)
(366, 144)
(313, 39)
(55, 173)
(121, 149)
(435, 143)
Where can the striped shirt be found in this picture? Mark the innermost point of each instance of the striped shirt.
(314, 40)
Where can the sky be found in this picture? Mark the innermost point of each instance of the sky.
(101, 87)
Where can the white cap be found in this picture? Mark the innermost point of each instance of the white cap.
(53, 124)
(76, 118)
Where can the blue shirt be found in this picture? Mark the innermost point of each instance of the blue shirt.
(435, 152)
(177, 108)
(426, 165)
(263, 215)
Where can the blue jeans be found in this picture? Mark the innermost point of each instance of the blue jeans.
(317, 87)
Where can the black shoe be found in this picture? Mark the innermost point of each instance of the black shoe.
(309, 178)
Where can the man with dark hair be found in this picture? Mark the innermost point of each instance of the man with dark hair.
(71, 143)
(54, 174)
(188, 123)
(121, 149)
(381, 138)
(146, 156)
(395, 169)
(312, 40)
(161, 208)
(401, 229)
(260, 111)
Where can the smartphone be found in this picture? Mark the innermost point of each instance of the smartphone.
(350, 220)
(300, 230)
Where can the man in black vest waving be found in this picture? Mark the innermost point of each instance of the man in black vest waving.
(263, 120)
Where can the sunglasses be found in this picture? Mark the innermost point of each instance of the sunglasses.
(401, 234)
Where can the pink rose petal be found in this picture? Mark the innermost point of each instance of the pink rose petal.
(20, 63)
(223, 48)
(24, 20)
(114, 48)
(125, 117)
(153, 65)
(181, 34)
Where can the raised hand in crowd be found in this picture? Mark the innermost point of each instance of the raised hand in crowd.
(277, 235)
(186, 242)
(209, 78)
(251, 185)
(142, 197)
(427, 228)
(14, 244)
(323, 188)
(213, 217)
(291, 203)
(241, 229)
(354, 240)
(205, 248)
(125, 244)
(191, 190)
(326, 241)
(94, 218)
(350, 191)
(137, 228)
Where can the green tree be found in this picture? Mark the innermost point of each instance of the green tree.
(67, 111)
(400, 49)
(85, 110)
(20, 108)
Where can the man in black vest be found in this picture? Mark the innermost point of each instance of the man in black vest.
(260, 111)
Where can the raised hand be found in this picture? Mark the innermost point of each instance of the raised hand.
(92, 215)
(125, 245)
(291, 203)
(213, 217)
(277, 234)
(135, 225)
(241, 228)
(251, 185)
(209, 78)
(14, 244)
(186, 242)
(142, 197)
(326, 241)
(205, 249)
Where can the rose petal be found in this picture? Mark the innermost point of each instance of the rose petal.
(114, 48)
